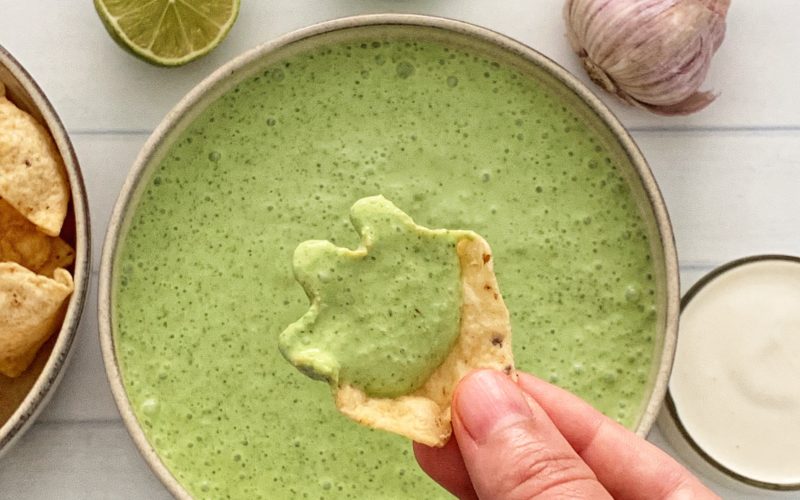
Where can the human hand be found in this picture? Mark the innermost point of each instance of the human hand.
(531, 439)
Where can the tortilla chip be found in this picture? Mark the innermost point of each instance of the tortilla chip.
(32, 309)
(22, 242)
(484, 341)
(33, 178)
(61, 256)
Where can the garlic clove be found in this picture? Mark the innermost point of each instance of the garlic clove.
(654, 54)
(719, 6)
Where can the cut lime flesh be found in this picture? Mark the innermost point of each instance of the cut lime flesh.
(168, 32)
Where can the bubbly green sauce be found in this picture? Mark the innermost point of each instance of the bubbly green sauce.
(204, 284)
(383, 317)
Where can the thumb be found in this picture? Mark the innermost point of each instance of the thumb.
(511, 448)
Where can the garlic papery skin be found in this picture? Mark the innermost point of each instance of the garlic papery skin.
(653, 54)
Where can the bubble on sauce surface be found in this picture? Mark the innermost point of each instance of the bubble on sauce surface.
(150, 407)
(405, 69)
(632, 293)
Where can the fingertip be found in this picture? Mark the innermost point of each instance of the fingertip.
(576, 419)
(613, 452)
(465, 381)
(445, 466)
(551, 396)
(534, 385)
(486, 399)
(425, 455)
(476, 375)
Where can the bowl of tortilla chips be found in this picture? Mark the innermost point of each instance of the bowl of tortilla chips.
(44, 249)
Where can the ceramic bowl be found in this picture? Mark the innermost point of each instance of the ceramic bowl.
(690, 438)
(637, 174)
(22, 398)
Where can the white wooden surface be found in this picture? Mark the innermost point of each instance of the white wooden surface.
(730, 174)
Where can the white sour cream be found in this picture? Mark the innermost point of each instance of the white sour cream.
(736, 377)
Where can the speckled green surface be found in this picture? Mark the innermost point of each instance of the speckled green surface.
(204, 279)
(383, 317)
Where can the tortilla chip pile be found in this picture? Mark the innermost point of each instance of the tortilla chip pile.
(34, 195)
(483, 341)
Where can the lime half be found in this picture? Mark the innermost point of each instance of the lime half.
(168, 32)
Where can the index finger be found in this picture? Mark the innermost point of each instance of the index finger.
(628, 466)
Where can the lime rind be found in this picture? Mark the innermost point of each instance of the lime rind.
(136, 47)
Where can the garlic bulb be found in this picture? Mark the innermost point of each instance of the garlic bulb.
(653, 54)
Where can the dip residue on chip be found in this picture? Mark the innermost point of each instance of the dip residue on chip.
(395, 324)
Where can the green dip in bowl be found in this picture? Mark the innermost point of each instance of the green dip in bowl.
(461, 128)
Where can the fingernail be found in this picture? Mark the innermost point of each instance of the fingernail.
(486, 398)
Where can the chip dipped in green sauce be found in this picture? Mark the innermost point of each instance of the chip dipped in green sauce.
(384, 316)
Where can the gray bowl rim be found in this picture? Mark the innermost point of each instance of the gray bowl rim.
(53, 371)
(242, 62)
